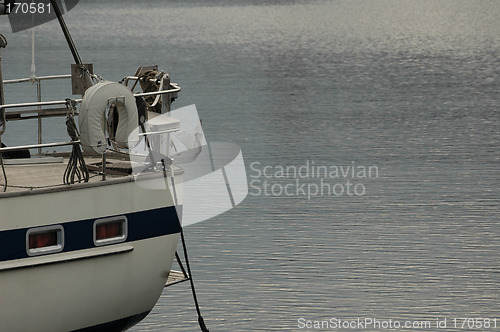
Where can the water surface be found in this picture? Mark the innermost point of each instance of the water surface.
(408, 87)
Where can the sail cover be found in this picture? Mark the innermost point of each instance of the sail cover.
(26, 14)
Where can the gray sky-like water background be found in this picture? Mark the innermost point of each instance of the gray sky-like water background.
(308, 90)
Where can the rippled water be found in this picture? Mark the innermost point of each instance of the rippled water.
(411, 88)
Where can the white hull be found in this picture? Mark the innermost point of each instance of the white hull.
(88, 292)
(81, 201)
(85, 285)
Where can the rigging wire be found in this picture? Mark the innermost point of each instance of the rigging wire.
(201, 322)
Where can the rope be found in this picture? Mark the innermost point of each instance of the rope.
(148, 86)
(43, 187)
(201, 322)
(3, 121)
(3, 171)
(76, 167)
(95, 77)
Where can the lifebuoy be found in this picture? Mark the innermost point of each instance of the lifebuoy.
(92, 117)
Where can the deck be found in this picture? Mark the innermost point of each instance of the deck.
(46, 173)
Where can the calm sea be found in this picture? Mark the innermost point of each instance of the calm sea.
(318, 94)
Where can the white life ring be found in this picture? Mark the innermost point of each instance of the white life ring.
(92, 117)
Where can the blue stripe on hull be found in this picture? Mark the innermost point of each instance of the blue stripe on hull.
(79, 234)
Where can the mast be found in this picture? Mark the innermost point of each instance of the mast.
(84, 71)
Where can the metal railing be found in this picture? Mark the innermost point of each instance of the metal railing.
(42, 109)
(40, 113)
(36, 110)
(35, 146)
(36, 79)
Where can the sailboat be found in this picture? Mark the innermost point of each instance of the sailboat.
(88, 236)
